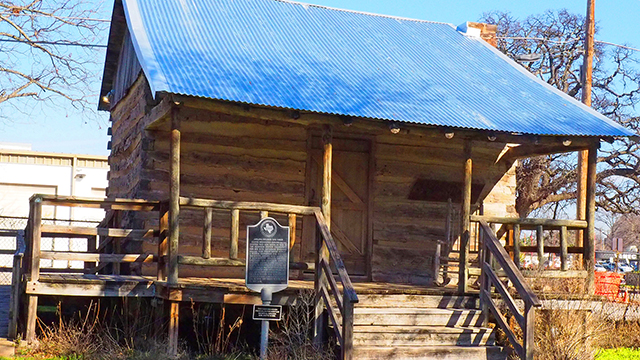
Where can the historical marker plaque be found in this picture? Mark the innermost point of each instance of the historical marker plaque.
(267, 256)
(267, 312)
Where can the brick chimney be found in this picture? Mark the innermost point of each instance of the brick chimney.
(487, 32)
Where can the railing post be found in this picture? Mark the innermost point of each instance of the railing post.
(34, 257)
(528, 338)
(540, 244)
(235, 230)
(206, 233)
(347, 329)
(163, 238)
(564, 252)
(319, 280)
(484, 278)
(516, 245)
(590, 234)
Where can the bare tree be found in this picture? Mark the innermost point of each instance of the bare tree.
(46, 51)
(557, 37)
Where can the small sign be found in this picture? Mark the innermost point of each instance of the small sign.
(267, 312)
(267, 256)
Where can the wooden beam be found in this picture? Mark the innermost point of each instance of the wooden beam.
(516, 245)
(235, 233)
(174, 320)
(163, 242)
(307, 118)
(81, 231)
(206, 233)
(103, 289)
(32, 316)
(564, 252)
(16, 291)
(197, 260)
(247, 205)
(590, 233)
(87, 257)
(555, 274)
(540, 246)
(465, 213)
(35, 226)
(322, 252)
(327, 160)
(531, 224)
(174, 202)
(548, 249)
(100, 203)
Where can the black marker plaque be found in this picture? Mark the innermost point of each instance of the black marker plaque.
(267, 256)
(267, 312)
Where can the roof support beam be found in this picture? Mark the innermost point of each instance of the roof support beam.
(463, 277)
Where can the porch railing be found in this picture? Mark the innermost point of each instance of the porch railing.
(327, 288)
(493, 250)
(512, 227)
(111, 249)
(327, 254)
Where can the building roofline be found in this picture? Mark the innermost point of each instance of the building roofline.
(51, 154)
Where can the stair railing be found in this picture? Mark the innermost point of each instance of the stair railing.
(327, 288)
(493, 250)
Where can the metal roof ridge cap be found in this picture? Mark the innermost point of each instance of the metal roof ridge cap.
(575, 102)
(142, 45)
(364, 12)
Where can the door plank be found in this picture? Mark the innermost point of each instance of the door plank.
(337, 179)
(339, 235)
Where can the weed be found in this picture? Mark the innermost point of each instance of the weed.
(293, 340)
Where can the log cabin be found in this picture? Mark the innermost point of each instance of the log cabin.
(377, 139)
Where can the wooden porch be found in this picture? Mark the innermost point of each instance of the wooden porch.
(102, 275)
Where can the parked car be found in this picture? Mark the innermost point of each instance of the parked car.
(601, 268)
(625, 268)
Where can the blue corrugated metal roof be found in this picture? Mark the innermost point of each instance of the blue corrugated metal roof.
(298, 56)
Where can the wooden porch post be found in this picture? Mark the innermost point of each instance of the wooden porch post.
(174, 226)
(321, 249)
(35, 220)
(589, 242)
(463, 274)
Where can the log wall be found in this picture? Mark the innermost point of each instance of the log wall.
(232, 157)
(405, 229)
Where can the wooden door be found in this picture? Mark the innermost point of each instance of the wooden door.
(349, 199)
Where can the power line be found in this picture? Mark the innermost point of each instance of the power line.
(565, 41)
(54, 17)
(61, 43)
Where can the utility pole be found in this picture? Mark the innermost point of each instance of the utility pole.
(587, 79)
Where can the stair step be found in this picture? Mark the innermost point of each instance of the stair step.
(421, 335)
(430, 352)
(417, 317)
(419, 301)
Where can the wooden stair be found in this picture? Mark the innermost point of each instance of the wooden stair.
(442, 327)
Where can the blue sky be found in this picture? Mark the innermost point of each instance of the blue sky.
(54, 128)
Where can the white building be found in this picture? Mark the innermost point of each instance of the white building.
(24, 172)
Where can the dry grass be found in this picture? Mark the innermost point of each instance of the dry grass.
(293, 341)
(214, 341)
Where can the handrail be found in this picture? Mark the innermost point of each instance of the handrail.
(531, 222)
(513, 226)
(188, 202)
(326, 286)
(493, 249)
